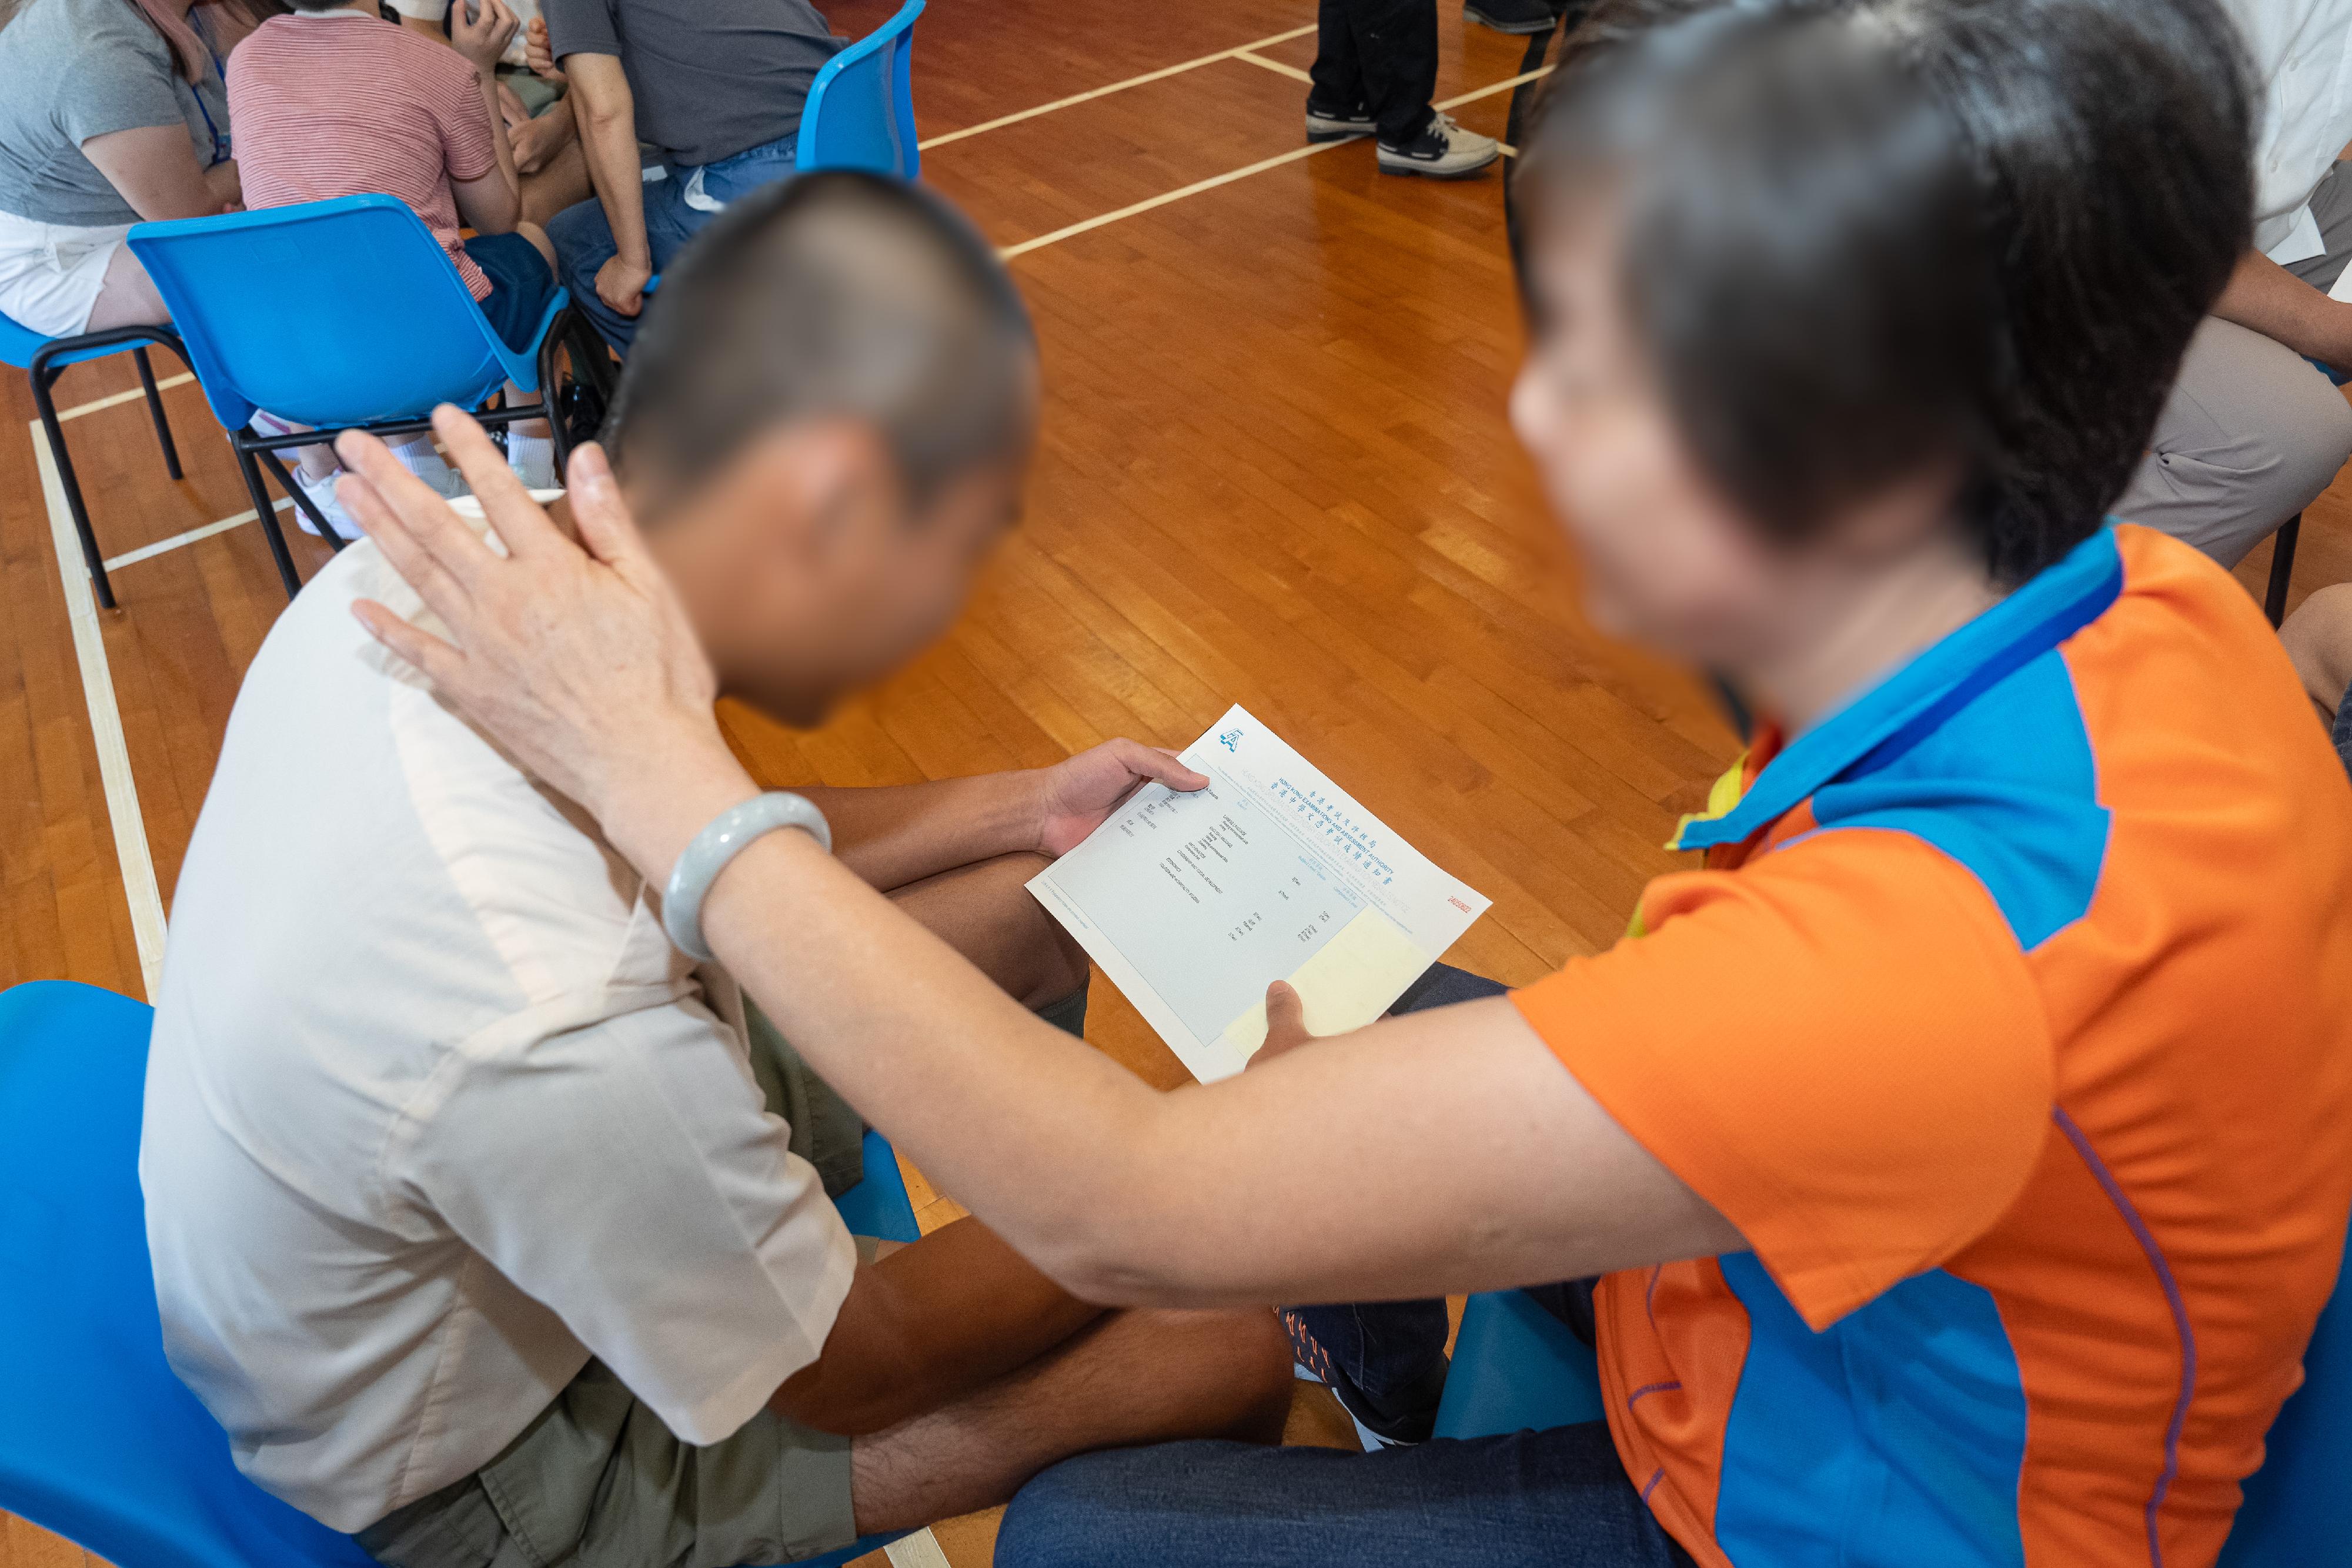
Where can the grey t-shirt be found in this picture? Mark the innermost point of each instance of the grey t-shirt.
(79, 68)
(710, 78)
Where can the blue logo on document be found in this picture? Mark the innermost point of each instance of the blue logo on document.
(1231, 741)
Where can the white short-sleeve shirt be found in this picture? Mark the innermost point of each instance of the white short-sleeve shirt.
(435, 1113)
(2302, 52)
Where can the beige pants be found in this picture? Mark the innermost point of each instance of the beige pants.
(2253, 433)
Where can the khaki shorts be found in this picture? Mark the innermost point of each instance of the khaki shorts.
(597, 1482)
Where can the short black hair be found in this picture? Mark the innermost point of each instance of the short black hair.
(1861, 237)
(836, 293)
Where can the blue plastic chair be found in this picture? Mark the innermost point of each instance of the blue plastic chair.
(260, 299)
(2299, 1506)
(860, 112)
(1518, 1368)
(99, 1441)
(43, 360)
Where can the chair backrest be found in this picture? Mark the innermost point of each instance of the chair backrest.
(332, 313)
(2299, 1506)
(99, 1441)
(860, 112)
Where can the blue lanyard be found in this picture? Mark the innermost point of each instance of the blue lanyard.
(220, 143)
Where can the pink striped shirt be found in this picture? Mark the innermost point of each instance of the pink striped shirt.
(341, 104)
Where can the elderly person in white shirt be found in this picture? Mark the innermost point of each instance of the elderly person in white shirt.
(2254, 432)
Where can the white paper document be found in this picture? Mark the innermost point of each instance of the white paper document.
(1194, 903)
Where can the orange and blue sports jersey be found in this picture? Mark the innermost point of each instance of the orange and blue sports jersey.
(2010, 1022)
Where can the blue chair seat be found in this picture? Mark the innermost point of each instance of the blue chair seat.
(99, 1441)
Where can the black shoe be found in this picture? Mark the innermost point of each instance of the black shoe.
(1337, 125)
(1517, 16)
(1414, 1417)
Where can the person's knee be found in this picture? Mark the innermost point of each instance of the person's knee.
(581, 239)
(1251, 1393)
(2318, 638)
(1061, 1517)
(540, 242)
(2311, 438)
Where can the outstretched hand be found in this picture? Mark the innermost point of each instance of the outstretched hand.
(1075, 796)
(579, 661)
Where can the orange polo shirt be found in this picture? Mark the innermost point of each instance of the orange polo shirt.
(2011, 1021)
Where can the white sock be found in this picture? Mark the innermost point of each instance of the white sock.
(419, 458)
(532, 458)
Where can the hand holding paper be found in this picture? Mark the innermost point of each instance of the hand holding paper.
(1192, 902)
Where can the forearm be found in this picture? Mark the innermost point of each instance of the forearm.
(897, 834)
(608, 141)
(499, 138)
(2264, 297)
(927, 1325)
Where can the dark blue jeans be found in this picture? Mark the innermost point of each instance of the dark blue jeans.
(583, 236)
(1560, 1497)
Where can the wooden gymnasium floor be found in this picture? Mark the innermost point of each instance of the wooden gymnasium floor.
(1274, 471)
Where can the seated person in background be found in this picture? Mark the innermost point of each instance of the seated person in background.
(537, 113)
(333, 101)
(110, 111)
(715, 86)
(2254, 432)
(2318, 638)
(466, 1217)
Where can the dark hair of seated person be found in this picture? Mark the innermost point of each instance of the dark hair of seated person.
(1863, 237)
(835, 294)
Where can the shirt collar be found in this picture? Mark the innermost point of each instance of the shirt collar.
(1916, 699)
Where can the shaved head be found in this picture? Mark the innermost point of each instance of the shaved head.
(836, 295)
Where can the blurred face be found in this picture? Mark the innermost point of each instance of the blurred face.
(810, 575)
(1670, 561)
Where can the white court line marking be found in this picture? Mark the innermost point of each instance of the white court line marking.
(164, 547)
(920, 1550)
(134, 395)
(1292, 71)
(1211, 184)
(130, 853)
(1491, 89)
(1160, 75)
(1086, 225)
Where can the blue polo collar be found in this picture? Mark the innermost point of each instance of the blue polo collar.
(1916, 699)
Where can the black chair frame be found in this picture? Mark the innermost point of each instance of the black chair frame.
(2282, 567)
(256, 451)
(44, 372)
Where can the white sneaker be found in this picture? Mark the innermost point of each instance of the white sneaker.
(1443, 151)
(321, 495)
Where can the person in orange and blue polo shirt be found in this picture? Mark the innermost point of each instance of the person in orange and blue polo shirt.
(1963, 1150)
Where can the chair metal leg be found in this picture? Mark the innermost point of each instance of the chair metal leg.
(2282, 567)
(267, 511)
(155, 411)
(43, 379)
(550, 348)
(335, 541)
